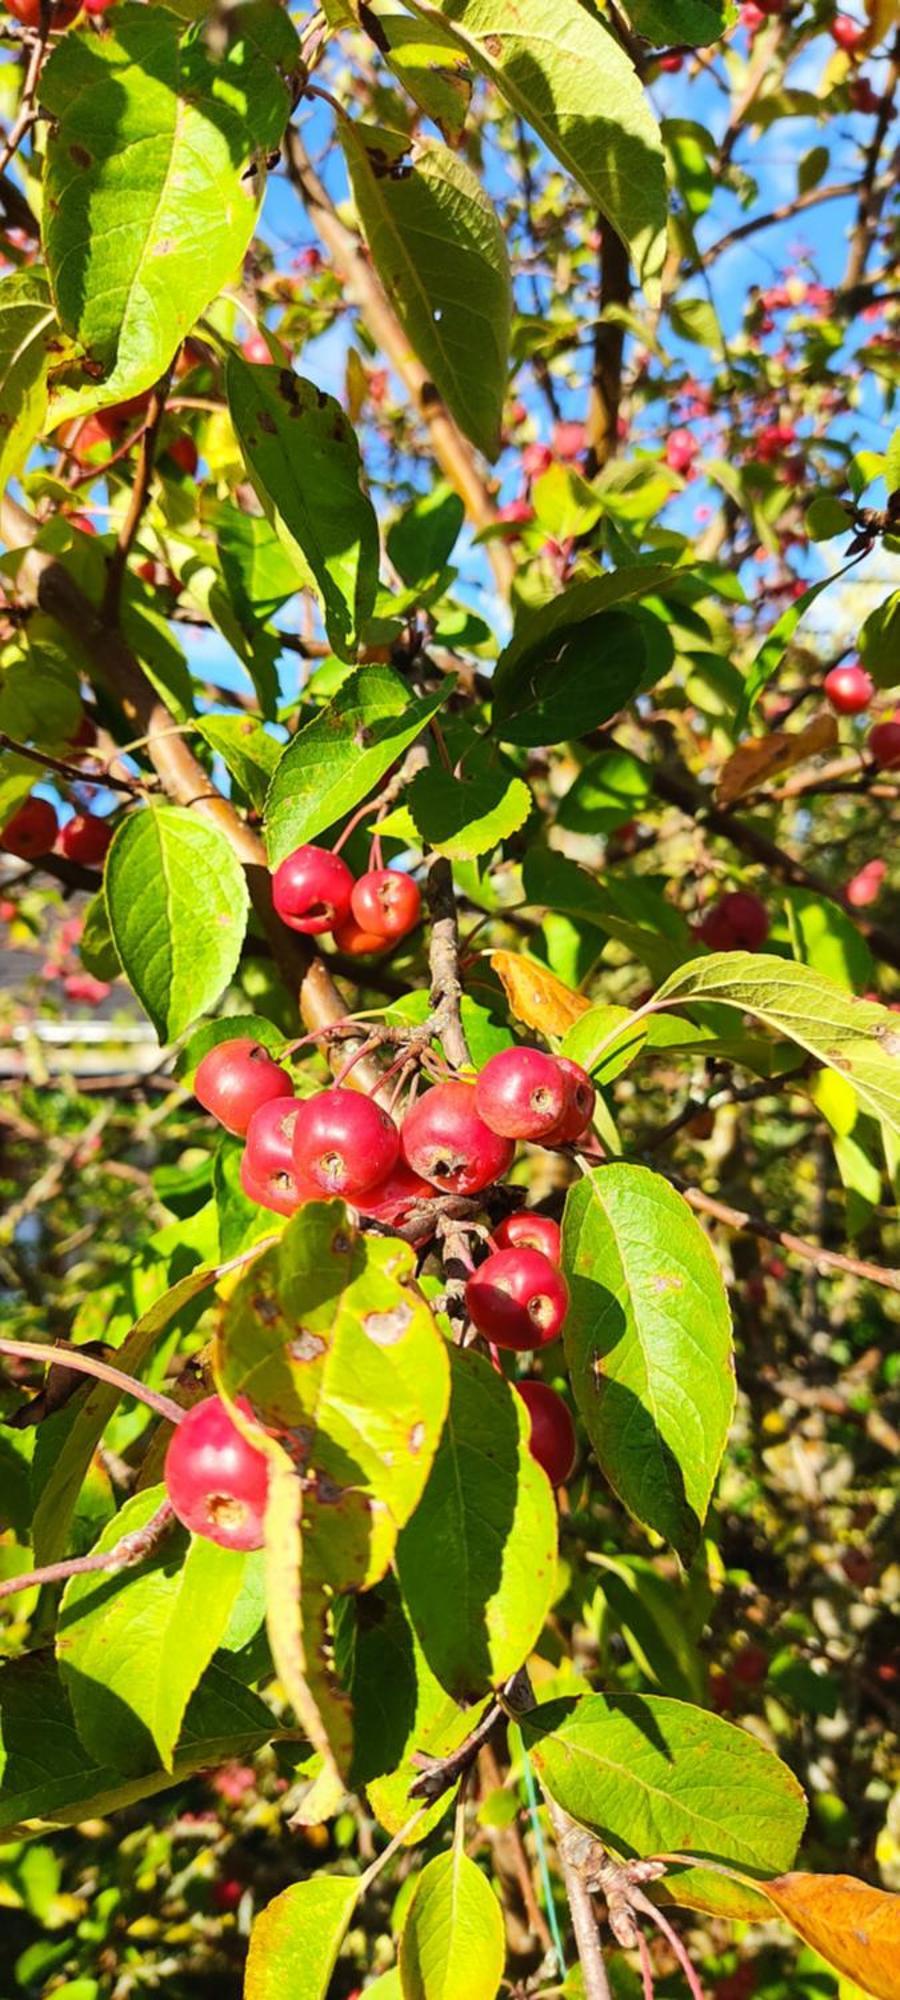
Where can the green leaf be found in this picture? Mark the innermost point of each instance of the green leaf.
(477, 1562)
(825, 937)
(422, 539)
(568, 77)
(18, 777)
(541, 636)
(650, 1611)
(857, 1038)
(453, 1945)
(247, 751)
(812, 168)
(439, 247)
(178, 905)
(400, 1711)
(592, 675)
(826, 517)
(295, 1940)
(652, 1776)
(154, 176)
(467, 812)
(328, 1337)
(47, 1775)
(648, 1343)
(166, 1616)
(333, 764)
(693, 21)
(91, 1412)
(425, 61)
(303, 457)
(879, 642)
(774, 647)
(98, 952)
(612, 789)
(30, 343)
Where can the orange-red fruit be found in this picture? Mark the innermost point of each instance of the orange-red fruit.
(517, 1299)
(267, 1166)
(386, 903)
(85, 838)
(528, 1231)
(884, 745)
(393, 1199)
(446, 1141)
(357, 943)
(234, 1078)
(849, 689)
(552, 1440)
(521, 1093)
(31, 831)
(344, 1143)
(216, 1480)
(311, 890)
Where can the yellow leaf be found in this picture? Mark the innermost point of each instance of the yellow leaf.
(283, 1604)
(763, 757)
(882, 16)
(854, 1928)
(536, 996)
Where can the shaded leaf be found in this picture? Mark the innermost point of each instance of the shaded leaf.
(453, 1945)
(774, 647)
(177, 904)
(295, 1940)
(467, 812)
(426, 62)
(648, 1343)
(246, 750)
(523, 678)
(400, 1710)
(339, 757)
(30, 342)
(694, 21)
(284, 1609)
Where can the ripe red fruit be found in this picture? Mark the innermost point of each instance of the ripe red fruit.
(750, 1665)
(85, 838)
(849, 689)
(527, 1231)
(234, 1078)
(884, 745)
(29, 12)
(517, 1299)
(568, 439)
(386, 903)
(847, 33)
(31, 831)
(344, 1143)
(183, 453)
(521, 1093)
(681, 450)
(752, 17)
(515, 513)
(863, 96)
(216, 1480)
(311, 890)
(671, 64)
(85, 735)
(392, 1199)
(865, 888)
(536, 458)
(580, 1099)
(357, 943)
(267, 1166)
(552, 1440)
(739, 922)
(444, 1139)
(256, 349)
(83, 523)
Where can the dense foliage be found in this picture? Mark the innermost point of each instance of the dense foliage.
(449, 1082)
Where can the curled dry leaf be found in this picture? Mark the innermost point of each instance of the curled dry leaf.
(854, 1927)
(535, 995)
(763, 757)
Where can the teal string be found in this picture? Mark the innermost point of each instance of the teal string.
(543, 1865)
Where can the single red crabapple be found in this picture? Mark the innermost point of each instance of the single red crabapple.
(738, 922)
(552, 1441)
(84, 987)
(344, 1143)
(515, 513)
(521, 1093)
(256, 350)
(883, 743)
(444, 1139)
(349, 937)
(31, 831)
(527, 1231)
(863, 96)
(311, 890)
(580, 1099)
(568, 439)
(234, 1078)
(681, 450)
(226, 1895)
(216, 1480)
(85, 838)
(849, 688)
(865, 887)
(517, 1299)
(848, 34)
(671, 64)
(182, 450)
(752, 17)
(83, 523)
(536, 458)
(85, 735)
(267, 1164)
(392, 1199)
(386, 902)
(750, 1665)
(29, 12)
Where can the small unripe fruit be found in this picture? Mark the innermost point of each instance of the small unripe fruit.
(883, 743)
(527, 1231)
(234, 1078)
(849, 689)
(344, 1143)
(85, 838)
(517, 1299)
(521, 1093)
(552, 1441)
(311, 890)
(267, 1164)
(386, 903)
(31, 831)
(216, 1481)
(446, 1141)
(580, 1100)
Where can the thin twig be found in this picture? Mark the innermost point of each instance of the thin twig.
(584, 1922)
(140, 494)
(811, 1253)
(88, 1364)
(446, 987)
(76, 773)
(131, 1549)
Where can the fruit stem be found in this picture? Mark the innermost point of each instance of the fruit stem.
(131, 1549)
(87, 1364)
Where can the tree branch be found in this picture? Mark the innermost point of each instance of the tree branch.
(140, 494)
(873, 191)
(131, 1549)
(89, 1364)
(446, 986)
(584, 1922)
(756, 1225)
(609, 348)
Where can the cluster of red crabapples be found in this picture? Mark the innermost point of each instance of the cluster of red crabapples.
(314, 891)
(458, 1138)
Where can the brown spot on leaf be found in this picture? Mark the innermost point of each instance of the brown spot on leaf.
(387, 1327)
(268, 424)
(493, 46)
(81, 156)
(266, 1309)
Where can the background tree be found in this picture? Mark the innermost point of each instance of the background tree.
(448, 749)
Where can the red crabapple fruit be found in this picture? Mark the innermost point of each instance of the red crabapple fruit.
(446, 1141)
(552, 1440)
(311, 890)
(344, 1143)
(216, 1480)
(234, 1078)
(517, 1299)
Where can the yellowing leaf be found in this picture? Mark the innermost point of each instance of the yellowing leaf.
(854, 1927)
(763, 757)
(283, 1610)
(535, 995)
